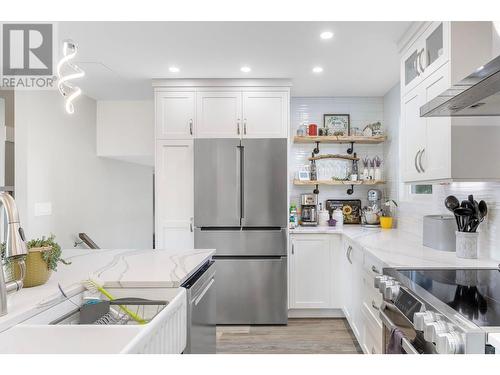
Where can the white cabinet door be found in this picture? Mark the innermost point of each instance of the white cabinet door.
(414, 135)
(354, 292)
(435, 159)
(174, 194)
(310, 272)
(265, 114)
(175, 115)
(218, 114)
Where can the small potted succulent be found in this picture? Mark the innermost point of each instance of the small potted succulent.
(386, 221)
(44, 254)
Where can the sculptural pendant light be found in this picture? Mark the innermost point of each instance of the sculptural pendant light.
(67, 72)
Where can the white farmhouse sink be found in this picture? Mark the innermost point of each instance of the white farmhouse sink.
(164, 334)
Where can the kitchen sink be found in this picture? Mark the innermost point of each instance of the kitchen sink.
(60, 329)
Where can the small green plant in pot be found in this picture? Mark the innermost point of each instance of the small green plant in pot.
(44, 255)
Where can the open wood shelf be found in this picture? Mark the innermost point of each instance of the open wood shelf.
(340, 139)
(337, 182)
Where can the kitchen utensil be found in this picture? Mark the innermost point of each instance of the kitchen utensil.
(465, 214)
(451, 202)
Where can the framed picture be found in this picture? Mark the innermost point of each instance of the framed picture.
(337, 124)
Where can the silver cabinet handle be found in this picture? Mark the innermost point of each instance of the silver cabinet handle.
(293, 248)
(245, 126)
(415, 64)
(421, 55)
(416, 165)
(374, 305)
(238, 126)
(348, 254)
(191, 225)
(375, 270)
(420, 160)
(191, 126)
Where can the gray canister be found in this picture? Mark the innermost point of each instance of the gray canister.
(439, 232)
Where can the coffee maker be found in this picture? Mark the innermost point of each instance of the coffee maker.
(309, 209)
(371, 213)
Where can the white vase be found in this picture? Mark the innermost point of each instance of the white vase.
(467, 244)
(377, 174)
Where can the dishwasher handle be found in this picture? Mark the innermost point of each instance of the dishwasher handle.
(199, 297)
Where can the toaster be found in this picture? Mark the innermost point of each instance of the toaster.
(439, 232)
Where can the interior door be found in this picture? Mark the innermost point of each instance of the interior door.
(175, 115)
(218, 114)
(174, 178)
(265, 114)
(217, 183)
(264, 166)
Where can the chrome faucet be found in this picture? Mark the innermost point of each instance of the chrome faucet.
(15, 250)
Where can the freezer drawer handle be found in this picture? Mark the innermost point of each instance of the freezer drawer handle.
(198, 299)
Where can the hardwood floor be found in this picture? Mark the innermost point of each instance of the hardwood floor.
(300, 336)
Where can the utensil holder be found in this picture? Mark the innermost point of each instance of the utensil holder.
(467, 244)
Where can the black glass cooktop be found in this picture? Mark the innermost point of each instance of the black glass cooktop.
(475, 294)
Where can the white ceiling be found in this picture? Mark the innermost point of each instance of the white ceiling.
(121, 58)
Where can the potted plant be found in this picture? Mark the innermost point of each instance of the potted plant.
(386, 217)
(44, 254)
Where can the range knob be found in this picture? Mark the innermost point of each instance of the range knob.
(419, 318)
(391, 291)
(450, 343)
(378, 279)
(433, 329)
(385, 283)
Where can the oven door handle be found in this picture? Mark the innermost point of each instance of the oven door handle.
(405, 343)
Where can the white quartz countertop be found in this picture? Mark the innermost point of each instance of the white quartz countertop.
(396, 248)
(115, 268)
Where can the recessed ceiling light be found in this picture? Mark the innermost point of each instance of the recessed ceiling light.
(317, 69)
(174, 69)
(326, 35)
(246, 69)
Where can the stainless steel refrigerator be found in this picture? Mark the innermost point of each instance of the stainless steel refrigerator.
(241, 211)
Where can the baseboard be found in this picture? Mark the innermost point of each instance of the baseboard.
(315, 313)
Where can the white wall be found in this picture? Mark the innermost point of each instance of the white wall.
(2, 141)
(362, 110)
(125, 130)
(56, 162)
(392, 115)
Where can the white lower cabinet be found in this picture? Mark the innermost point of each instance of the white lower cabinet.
(311, 277)
(328, 273)
(174, 194)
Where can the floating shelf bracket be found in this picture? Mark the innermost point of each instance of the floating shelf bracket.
(316, 149)
(316, 189)
(350, 150)
(350, 191)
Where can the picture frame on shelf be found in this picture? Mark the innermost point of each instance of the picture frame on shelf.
(337, 124)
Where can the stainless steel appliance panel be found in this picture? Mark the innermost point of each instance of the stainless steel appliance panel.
(201, 328)
(264, 182)
(252, 290)
(217, 182)
(242, 242)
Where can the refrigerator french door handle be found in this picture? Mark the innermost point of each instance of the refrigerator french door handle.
(242, 184)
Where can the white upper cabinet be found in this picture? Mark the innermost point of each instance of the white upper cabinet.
(430, 51)
(265, 114)
(174, 194)
(442, 149)
(218, 114)
(175, 115)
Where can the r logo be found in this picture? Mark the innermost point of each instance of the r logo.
(27, 49)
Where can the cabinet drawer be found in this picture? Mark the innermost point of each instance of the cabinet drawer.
(372, 265)
(373, 330)
(371, 296)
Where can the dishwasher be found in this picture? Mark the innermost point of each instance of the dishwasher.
(201, 319)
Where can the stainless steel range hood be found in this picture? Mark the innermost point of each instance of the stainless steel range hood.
(476, 95)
